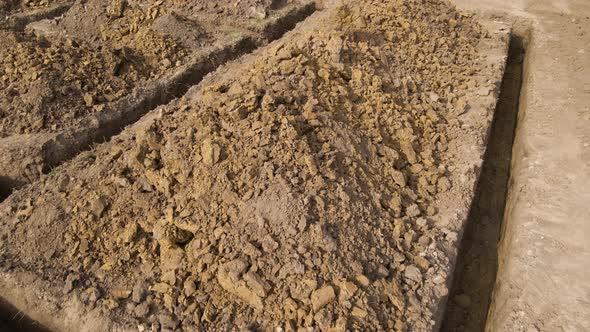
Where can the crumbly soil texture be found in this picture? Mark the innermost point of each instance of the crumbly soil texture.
(68, 82)
(95, 54)
(297, 189)
(8, 7)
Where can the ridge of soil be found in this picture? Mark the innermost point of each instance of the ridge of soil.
(65, 81)
(321, 183)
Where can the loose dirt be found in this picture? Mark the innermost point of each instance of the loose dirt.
(77, 79)
(306, 187)
(15, 15)
(47, 85)
(12, 6)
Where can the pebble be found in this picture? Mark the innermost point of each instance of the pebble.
(322, 297)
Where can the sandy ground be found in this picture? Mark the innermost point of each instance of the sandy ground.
(542, 282)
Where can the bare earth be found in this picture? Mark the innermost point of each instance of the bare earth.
(318, 184)
(542, 282)
(322, 183)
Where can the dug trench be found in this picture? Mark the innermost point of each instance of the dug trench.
(477, 264)
(28, 157)
(14, 320)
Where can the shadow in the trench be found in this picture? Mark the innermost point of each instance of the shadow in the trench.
(14, 320)
(477, 264)
(5, 188)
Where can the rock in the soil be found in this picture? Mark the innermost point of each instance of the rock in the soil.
(322, 297)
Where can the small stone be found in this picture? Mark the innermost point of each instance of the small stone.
(462, 105)
(269, 244)
(393, 291)
(138, 293)
(433, 97)
(129, 232)
(363, 280)
(255, 283)
(121, 294)
(168, 321)
(142, 310)
(230, 278)
(323, 319)
(169, 277)
(347, 290)
(88, 99)
(422, 262)
(93, 294)
(284, 54)
(438, 279)
(189, 287)
(98, 206)
(111, 304)
(413, 211)
(211, 152)
(359, 313)
(412, 273)
(166, 63)
(322, 297)
(452, 237)
(70, 280)
(399, 178)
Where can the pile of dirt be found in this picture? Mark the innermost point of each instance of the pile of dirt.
(8, 6)
(226, 16)
(117, 25)
(191, 23)
(249, 9)
(297, 191)
(46, 85)
(36, 4)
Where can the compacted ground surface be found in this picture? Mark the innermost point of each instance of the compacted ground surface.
(320, 184)
(544, 255)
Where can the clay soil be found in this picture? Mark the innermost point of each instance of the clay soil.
(319, 184)
(8, 7)
(94, 55)
(60, 76)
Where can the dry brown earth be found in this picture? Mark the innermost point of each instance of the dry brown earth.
(320, 184)
(70, 82)
(16, 14)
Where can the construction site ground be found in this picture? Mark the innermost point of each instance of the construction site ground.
(294, 165)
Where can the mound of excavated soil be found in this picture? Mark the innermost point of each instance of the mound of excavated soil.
(299, 190)
(6, 6)
(47, 85)
(138, 56)
(42, 83)
(244, 9)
